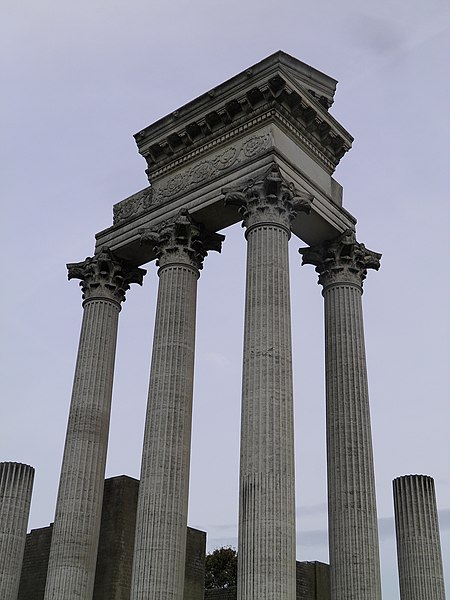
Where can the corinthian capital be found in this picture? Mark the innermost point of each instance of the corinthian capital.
(182, 241)
(271, 200)
(342, 260)
(105, 276)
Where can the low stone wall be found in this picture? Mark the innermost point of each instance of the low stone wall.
(115, 551)
(35, 563)
(312, 579)
(225, 594)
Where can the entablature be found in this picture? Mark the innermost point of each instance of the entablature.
(280, 83)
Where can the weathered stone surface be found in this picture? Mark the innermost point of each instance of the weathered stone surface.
(116, 539)
(115, 550)
(16, 485)
(421, 575)
(353, 532)
(266, 556)
(35, 564)
(194, 573)
(160, 546)
(312, 583)
(276, 111)
(73, 554)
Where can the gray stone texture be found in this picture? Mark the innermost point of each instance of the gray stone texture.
(222, 594)
(275, 111)
(160, 544)
(421, 575)
(116, 540)
(266, 557)
(194, 574)
(35, 564)
(16, 485)
(312, 583)
(73, 554)
(115, 550)
(353, 533)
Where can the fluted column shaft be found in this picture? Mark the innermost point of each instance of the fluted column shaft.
(267, 537)
(352, 515)
(421, 574)
(160, 542)
(16, 485)
(73, 552)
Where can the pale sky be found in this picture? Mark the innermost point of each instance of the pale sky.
(78, 79)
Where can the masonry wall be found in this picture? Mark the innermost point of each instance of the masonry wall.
(115, 552)
(35, 563)
(194, 579)
(116, 543)
(313, 583)
(225, 594)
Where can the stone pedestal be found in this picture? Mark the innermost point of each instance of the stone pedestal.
(73, 554)
(419, 556)
(267, 475)
(353, 534)
(160, 543)
(16, 485)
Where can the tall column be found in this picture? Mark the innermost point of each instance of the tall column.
(16, 485)
(73, 554)
(419, 556)
(267, 544)
(352, 517)
(161, 523)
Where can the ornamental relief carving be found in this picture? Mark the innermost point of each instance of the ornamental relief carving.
(138, 203)
(198, 174)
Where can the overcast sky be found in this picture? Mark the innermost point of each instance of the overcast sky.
(78, 79)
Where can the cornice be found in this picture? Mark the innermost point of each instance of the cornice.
(173, 140)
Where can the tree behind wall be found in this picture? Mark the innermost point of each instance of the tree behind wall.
(221, 568)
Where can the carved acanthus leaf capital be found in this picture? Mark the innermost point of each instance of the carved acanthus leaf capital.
(271, 200)
(342, 260)
(105, 276)
(181, 241)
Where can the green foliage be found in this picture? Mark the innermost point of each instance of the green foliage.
(221, 568)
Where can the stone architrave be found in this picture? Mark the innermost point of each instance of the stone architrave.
(352, 517)
(160, 542)
(73, 554)
(16, 485)
(420, 570)
(267, 545)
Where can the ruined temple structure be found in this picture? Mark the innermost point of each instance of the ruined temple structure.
(260, 149)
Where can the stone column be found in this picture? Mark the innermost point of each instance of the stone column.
(160, 542)
(352, 517)
(16, 485)
(419, 556)
(73, 554)
(267, 540)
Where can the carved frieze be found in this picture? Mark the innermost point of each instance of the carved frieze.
(198, 174)
(134, 205)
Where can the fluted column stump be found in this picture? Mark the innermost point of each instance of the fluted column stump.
(421, 575)
(73, 553)
(267, 540)
(16, 485)
(161, 523)
(352, 516)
